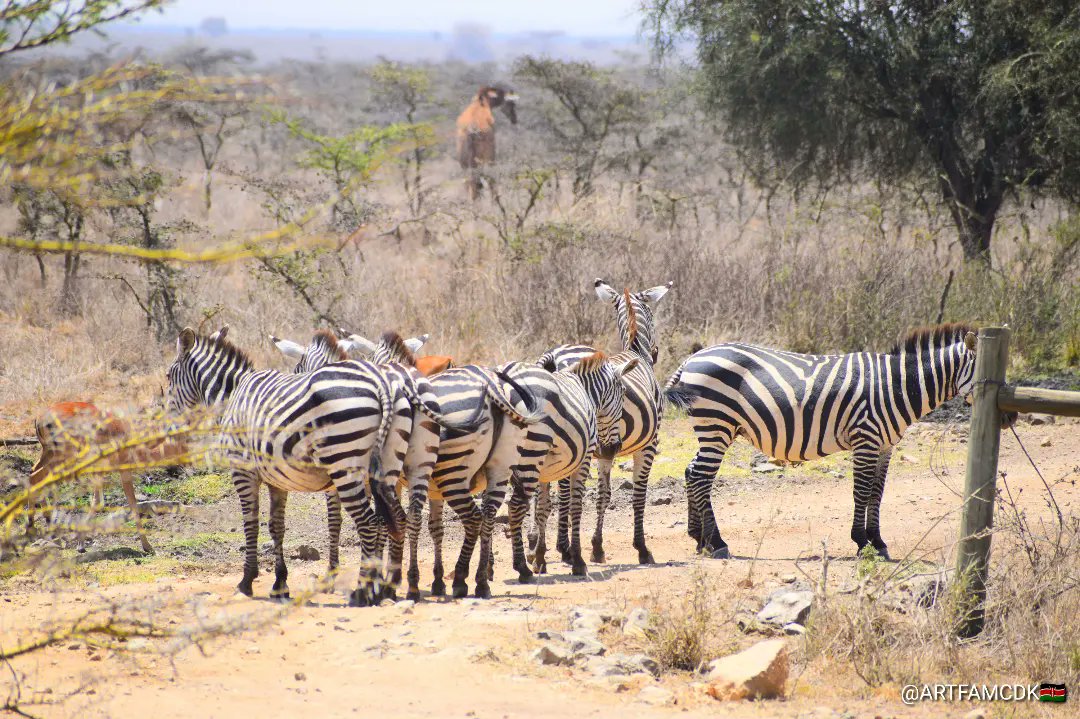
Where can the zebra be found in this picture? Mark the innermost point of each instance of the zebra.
(796, 407)
(583, 405)
(314, 432)
(465, 459)
(639, 429)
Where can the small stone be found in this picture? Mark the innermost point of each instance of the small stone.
(406, 606)
(788, 579)
(657, 696)
(1045, 442)
(765, 468)
(306, 553)
(758, 672)
(388, 602)
(254, 649)
(583, 644)
(550, 635)
(626, 484)
(662, 497)
(551, 655)
(300, 677)
(137, 644)
(627, 466)
(1040, 419)
(786, 607)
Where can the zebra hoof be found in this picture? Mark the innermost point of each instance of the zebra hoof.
(598, 556)
(525, 576)
(461, 590)
(540, 567)
(483, 591)
(278, 595)
(438, 588)
(579, 569)
(413, 595)
(245, 588)
(721, 553)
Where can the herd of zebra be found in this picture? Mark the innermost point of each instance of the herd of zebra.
(367, 430)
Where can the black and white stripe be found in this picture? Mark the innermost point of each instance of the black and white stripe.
(639, 429)
(797, 407)
(328, 429)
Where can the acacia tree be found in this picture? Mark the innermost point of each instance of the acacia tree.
(978, 98)
(407, 90)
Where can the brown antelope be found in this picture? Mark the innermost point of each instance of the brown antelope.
(476, 132)
(66, 427)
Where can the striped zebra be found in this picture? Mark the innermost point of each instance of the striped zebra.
(583, 405)
(639, 429)
(797, 407)
(332, 428)
(467, 461)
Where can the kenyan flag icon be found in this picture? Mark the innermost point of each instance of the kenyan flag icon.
(1053, 693)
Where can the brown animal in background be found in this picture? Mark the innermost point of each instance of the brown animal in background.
(66, 427)
(476, 132)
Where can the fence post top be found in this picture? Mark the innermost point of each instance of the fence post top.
(993, 331)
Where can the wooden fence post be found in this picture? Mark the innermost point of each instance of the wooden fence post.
(980, 482)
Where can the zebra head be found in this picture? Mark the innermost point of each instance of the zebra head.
(634, 314)
(205, 371)
(390, 348)
(965, 368)
(325, 348)
(604, 382)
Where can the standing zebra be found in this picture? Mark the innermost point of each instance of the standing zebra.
(298, 433)
(639, 429)
(796, 407)
(466, 459)
(583, 404)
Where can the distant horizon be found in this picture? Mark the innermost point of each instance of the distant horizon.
(406, 32)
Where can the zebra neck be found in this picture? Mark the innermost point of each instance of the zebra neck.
(927, 377)
(220, 388)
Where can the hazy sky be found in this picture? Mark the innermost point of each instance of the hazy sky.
(575, 17)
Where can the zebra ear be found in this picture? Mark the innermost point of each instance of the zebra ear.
(219, 335)
(361, 344)
(655, 294)
(654, 353)
(604, 291)
(970, 341)
(185, 341)
(416, 343)
(623, 369)
(288, 348)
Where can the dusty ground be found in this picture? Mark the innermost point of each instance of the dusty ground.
(471, 658)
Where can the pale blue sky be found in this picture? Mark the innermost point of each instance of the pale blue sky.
(575, 17)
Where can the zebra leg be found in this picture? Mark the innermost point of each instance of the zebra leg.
(562, 538)
(352, 491)
(577, 495)
(494, 497)
(247, 489)
(333, 527)
(435, 527)
(471, 520)
(603, 496)
(642, 465)
(519, 507)
(700, 473)
(873, 510)
(865, 461)
(543, 510)
(278, 500)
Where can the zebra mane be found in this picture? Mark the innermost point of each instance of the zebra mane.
(395, 346)
(328, 339)
(631, 319)
(224, 346)
(936, 336)
(591, 363)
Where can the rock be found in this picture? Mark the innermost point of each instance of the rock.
(759, 672)
(588, 619)
(661, 498)
(552, 655)
(614, 665)
(765, 468)
(159, 506)
(406, 606)
(137, 644)
(300, 677)
(637, 623)
(550, 635)
(627, 466)
(626, 484)
(583, 644)
(306, 553)
(1040, 419)
(794, 629)
(657, 696)
(786, 607)
(788, 579)
(1045, 442)
(925, 589)
(254, 649)
(388, 602)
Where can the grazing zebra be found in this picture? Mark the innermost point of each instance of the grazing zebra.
(583, 405)
(639, 429)
(797, 407)
(298, 433)
(465, 459)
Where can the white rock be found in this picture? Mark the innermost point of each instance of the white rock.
(637, 623)
(787, 606)
(758, 672)
(657, 696)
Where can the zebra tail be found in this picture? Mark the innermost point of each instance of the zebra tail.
(679, 394)
(504, 403)
(547, 361)
(387, 407)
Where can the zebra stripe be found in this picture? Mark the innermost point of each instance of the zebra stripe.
(639, 429)
(796, 407)
(306, 433)
(582, 405)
